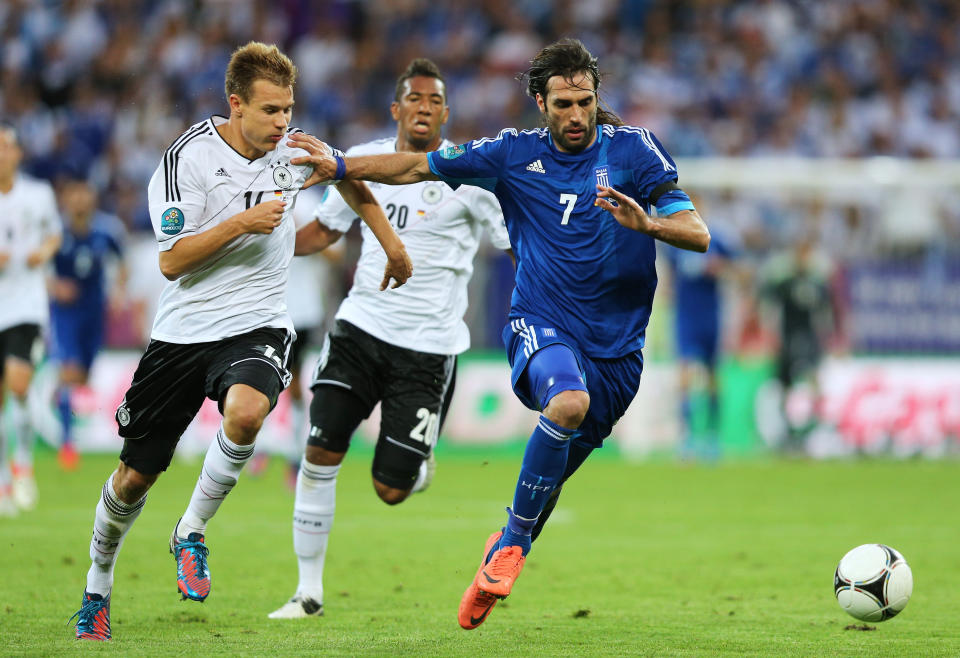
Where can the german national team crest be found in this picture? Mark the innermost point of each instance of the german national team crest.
(282, 177)
(452, 152)
(171, 222)
(602, 177)
(432, 193)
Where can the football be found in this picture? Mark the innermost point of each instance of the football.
(873, 582)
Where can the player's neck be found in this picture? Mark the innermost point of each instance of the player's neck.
(232, 135)
(6, 183)
(403, 144)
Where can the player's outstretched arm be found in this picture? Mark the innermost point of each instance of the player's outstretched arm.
(315, 236)
(358, 196)
(389, 168)
(684, 229)
(193, 251)
(42, 254)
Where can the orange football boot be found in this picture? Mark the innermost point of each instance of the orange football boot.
(477, 604)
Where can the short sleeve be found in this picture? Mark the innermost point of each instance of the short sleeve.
(653, 166)
(333, 212)
(475, 163)
(50, 223)
(486, 209)
(176, 209)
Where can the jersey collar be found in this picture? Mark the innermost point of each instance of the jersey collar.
(214, 122)
(563, 154)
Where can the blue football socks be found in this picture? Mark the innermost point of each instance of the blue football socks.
(544, 461)
(65, 413)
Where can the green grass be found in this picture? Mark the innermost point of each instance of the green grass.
(640, 559)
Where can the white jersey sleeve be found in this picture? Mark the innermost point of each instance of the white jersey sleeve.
(334, 213)
(177, 199)
(486, 210)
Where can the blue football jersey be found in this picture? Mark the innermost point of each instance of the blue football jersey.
(578, 269)
(82, 258)
(695, 281)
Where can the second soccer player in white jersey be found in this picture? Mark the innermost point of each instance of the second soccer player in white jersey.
(30, 234)
(221, 203)
(398, 348)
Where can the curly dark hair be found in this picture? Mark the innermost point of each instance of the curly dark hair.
(420, 67)
(566, 58)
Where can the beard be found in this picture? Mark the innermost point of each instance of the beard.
(560, 137)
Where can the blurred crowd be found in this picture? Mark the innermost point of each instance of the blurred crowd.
(99, 89)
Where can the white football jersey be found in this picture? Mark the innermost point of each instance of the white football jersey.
(440, 228)
(201, 183)
(28, 216)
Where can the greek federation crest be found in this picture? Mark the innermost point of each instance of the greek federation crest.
(282, 177)
(432, 194)
(603, 178)
(171, 222)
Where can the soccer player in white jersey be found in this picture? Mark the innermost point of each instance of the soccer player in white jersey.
(221, 203)
(398, 348)
(30, 235)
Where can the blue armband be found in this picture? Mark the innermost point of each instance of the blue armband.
(341, 168)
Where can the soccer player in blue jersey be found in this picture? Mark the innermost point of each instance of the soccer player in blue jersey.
(697, 315)
(78, 295)
(575, 197)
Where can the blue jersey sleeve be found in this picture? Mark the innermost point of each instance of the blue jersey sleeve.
(655, 167)
(475, 163)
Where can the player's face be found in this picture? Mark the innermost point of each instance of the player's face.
(265, 117)
(421, 112)
(570, 110)
(10, 154)
(79, 201)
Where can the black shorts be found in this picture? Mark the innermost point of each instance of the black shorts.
(21, 341)
(172, 380)
(358, 370)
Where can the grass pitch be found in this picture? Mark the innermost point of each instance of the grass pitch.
(640, 559)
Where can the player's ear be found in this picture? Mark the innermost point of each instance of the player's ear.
(446, 114)
(395, 110)
(541, 103)
(235, 104)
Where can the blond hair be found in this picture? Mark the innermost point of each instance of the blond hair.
(258, 61)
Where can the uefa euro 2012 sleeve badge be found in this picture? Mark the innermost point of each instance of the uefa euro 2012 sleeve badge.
(452, 152)
(171, 222)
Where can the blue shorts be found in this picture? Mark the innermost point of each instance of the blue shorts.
(611, 383)
(77, 335)
(697, 342)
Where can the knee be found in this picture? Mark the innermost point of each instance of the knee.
(390, 495)
(568, 408)
(243, 416)
(130, 485)
(322, 457)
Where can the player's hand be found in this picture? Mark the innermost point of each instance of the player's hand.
(399, 267)
(4, 259)
(263, 217)
(320, 158)
(36, 258)
(64, 291)
(627, 211)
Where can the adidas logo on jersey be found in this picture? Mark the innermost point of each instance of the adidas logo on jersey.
(221, 172)
(537, 167)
